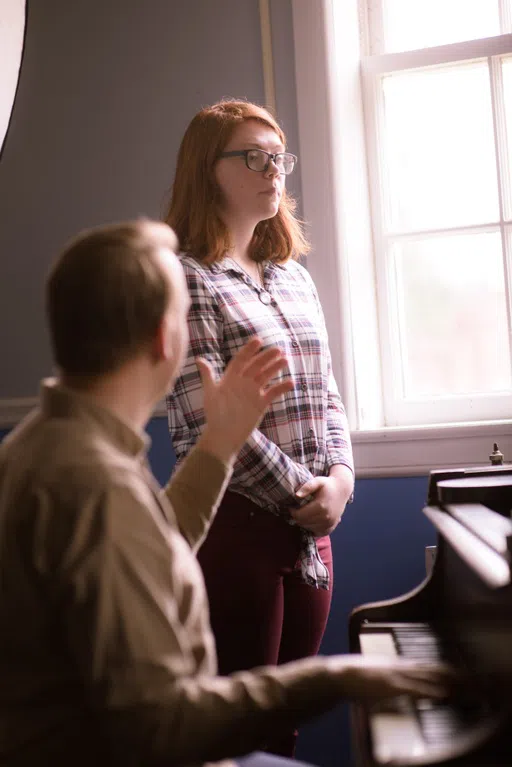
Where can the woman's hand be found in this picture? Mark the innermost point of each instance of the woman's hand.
(330, 495)
(235, 404)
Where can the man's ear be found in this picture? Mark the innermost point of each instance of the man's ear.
(163, 343)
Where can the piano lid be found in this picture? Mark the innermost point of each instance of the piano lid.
(440, 475)
(492, 490)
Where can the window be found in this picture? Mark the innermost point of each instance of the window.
(408, 192)
(437, 121)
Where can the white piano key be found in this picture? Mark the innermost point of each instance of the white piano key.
(396, 734)
(378, 643)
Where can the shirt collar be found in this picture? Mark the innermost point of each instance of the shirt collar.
(229, 264)
(57, 401)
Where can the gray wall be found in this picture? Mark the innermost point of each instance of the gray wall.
(107, 88)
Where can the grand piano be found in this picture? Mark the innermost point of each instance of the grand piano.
(461, 614)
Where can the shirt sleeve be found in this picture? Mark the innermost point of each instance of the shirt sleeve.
(261, 466)
(129, 610)
(339, 444)
(195, 491)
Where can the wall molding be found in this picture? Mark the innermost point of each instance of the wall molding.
(13, 410)
(391, 452)
(267, 56)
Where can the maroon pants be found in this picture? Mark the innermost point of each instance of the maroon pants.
(262, 612)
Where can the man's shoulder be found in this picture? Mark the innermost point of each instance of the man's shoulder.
(62, 456)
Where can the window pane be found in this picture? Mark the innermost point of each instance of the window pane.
(439, 148)
(452, 315)
(410, 24)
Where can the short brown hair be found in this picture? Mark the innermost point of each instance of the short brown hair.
(194, 209)
(106, 295)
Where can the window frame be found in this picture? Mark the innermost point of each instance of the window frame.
(399, 410)
(336, 204)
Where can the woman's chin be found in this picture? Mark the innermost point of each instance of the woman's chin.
(269, 211)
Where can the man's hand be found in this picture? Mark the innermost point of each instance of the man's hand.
(235, 404)
(374, 677)
(330, 495)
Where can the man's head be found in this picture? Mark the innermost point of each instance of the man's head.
(117, 293)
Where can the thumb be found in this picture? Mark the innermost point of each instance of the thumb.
(206, 373)
(308, 488)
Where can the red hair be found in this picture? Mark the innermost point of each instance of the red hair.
(194, 209)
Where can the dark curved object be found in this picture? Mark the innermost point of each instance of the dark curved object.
(495, 492)
(3, 139)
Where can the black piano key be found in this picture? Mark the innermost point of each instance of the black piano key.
(419, 643)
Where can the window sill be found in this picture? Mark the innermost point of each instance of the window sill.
(406, 452)
(390, 452)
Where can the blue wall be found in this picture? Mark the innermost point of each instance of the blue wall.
(378, 553)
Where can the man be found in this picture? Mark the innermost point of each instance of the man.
(106, 655)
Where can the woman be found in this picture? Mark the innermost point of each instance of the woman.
(267, 560)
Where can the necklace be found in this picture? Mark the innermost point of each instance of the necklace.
(260, 272)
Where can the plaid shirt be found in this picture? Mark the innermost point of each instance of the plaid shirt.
(305, 431)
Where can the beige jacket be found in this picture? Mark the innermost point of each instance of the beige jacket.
(106, 653)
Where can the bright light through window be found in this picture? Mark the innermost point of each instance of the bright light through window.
(451, 294)
(410, 24)
(439, 122)
(440, 147)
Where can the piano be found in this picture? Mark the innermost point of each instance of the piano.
(460, 614)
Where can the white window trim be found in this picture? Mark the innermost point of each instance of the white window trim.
(336, 207)
(419, 409)
(378, 453)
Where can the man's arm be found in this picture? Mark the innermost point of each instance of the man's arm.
(134, 613)
(135, 616)
(195, 491)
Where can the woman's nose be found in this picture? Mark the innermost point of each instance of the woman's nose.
(272, 169)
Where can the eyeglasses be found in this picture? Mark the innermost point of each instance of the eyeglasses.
(258, 160)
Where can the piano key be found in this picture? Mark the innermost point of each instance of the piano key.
(401, 728)
(419, 643)
(394, 727)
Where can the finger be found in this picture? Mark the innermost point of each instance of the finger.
(259, 361)
(420, 688)
(276, 390)
(206, 372)
(266, 375)
(239, 362)
(305, 514)
(309, 487)
(312, 512)
(428, 670)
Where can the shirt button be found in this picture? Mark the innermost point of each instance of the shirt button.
(265, 298)
(311, 432)
(295, 344)
(304, 387)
